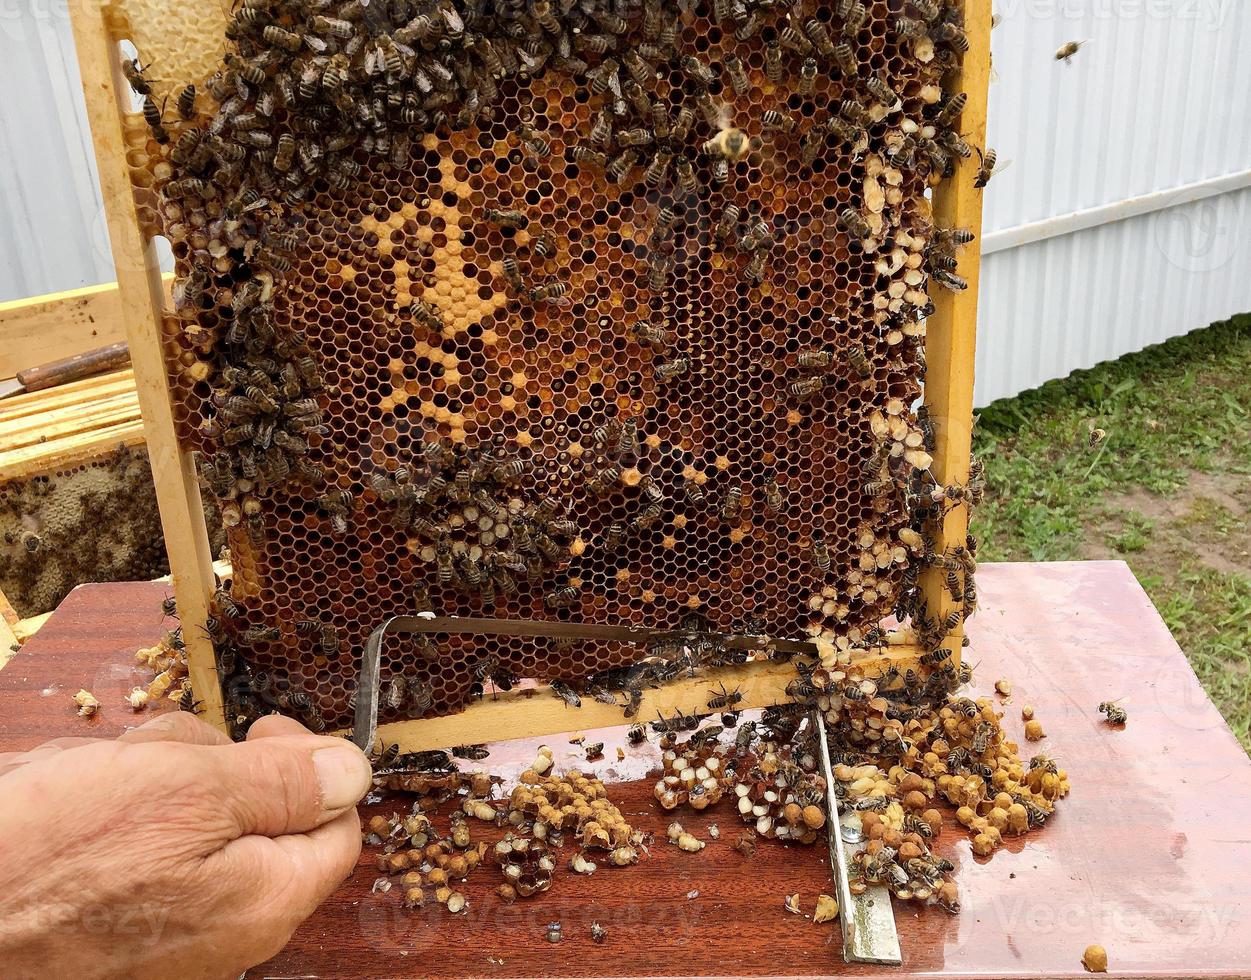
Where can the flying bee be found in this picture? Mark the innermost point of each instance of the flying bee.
(732, 504)
(820, 553)
(475, 753)
(719, 699)
(566, 693)
(505, 218)
(1115, 713)
(1066, 51)
(988, 168)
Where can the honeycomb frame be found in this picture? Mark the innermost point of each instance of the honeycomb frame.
(134, 222)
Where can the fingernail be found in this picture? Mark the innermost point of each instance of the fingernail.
(343, 774)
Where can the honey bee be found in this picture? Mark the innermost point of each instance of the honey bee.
(778, 121)
(153, 117)
(549, 291)
(186, 102)
(774, 501)
(988, 168)
(187, 701)
(729, 144)
(773, 62)
(134, 74)
(1116, 715)
(566, 693)
(669, 370)
(636, 734)
(754, 271)
(950, 280)
(845, 59)
(719, 699)
(854, 16)
(584, 154)
(858, 358)
(563, 597)
(738, 74)
(1066, 51)
(818, 358)
(881, 91)
(732, 504)
(806, 388)
(475, 753)
(807, 76)
(506, 218)
(820, 553)
(851, 220)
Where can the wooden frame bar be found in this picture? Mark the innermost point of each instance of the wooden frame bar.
(949, 392)
(951, 331)
(141, 295)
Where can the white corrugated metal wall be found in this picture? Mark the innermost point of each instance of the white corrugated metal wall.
(1123, 219)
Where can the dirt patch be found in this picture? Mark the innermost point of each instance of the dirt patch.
(1207, 523)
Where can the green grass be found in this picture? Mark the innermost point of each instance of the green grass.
(1170, 412)
(1184, 405)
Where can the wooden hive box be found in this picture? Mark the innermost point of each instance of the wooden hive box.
(671, 408)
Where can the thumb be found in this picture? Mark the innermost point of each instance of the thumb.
(287, 784)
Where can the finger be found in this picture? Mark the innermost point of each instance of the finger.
(176, 726)
(269, 726)
(280, 881)
(11, 760)
(285, 784)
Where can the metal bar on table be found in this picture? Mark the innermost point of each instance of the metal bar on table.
(868, 919)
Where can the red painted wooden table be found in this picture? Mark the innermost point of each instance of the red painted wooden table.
(1150, 856)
